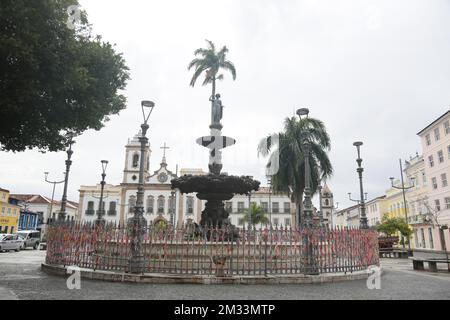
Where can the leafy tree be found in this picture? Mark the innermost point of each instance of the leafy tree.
(390, 226)
(256, 214)
(290, 150)
(211, 61)
(53, 79)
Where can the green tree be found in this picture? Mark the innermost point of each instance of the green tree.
(390, 226)
(290, 150)
(256, 214)
(54, 79)
(211, 61)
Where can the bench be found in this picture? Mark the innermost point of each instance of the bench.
(394, 254)
(432, 263)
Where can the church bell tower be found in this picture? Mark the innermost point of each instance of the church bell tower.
(133, 160)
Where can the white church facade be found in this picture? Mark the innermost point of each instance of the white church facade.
(161, 203)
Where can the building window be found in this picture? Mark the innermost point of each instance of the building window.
(447, 127)
(131, 203)
(172, 205)
(112, 208)
(430, 236)
(428, 139)
(161, 204)
(444, 180)
(150, 204)
(264, 207)
(287, 222)
(448, 151)
(135, 160)
(287, 207)
(275, 207)
(431, 161)
(440, 156)
(434, 183)
(422, 234)
(437, 134)
(240, 207)
(190, 205)
(447, 202)
(90, 208)
(276, 221)
(437, 204)
(327, 202)
(229, 206)
(416, 239)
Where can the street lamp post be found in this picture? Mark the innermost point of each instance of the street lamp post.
(307, 219)
(101, 206)
(403, 188)
(137, 223)
(307, 216)
(62, 212)
(269, 182)
(363, 219)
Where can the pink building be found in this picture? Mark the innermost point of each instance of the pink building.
(436, 154)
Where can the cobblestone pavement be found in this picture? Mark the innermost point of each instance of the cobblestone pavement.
(21, 278)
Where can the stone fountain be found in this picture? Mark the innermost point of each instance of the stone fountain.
(215, 187)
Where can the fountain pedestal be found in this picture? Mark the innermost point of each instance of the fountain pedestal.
(215, 187)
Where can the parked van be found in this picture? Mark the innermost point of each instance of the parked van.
(31, 238)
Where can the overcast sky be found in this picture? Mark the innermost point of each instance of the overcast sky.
(376, 71)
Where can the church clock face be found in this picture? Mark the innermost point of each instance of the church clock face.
(162, 177)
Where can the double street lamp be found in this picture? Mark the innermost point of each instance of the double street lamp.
(101, 205)
(362, 202)
(50, 217)
(403, 188)
(137, 223)
(62, 212)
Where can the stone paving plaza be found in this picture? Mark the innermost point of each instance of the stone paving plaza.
(22, 278)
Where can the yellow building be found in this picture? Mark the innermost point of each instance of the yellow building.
(394, 204)
(9, 212)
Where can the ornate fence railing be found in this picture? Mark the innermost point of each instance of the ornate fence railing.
(215, 251)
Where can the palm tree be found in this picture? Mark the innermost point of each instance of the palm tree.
(290, 147)
(256, 214)
(211, 61)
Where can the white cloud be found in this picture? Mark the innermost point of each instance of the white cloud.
(376, 71)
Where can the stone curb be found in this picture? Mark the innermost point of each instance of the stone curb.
(201, 279)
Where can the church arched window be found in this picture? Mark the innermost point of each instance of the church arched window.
(161, 204)
(150, 202)
(135, 160)
(327, 202)
(131, 203)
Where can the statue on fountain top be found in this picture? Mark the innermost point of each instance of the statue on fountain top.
(217, 109)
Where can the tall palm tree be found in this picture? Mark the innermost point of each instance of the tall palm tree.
(256, 214)
(211, 61)
(290, 148)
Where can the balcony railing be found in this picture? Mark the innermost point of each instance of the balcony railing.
(112, 212)
(90, 212)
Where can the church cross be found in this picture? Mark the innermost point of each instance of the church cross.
(165, 147)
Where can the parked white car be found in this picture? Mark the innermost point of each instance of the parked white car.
(11, 242)
(31, 238)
